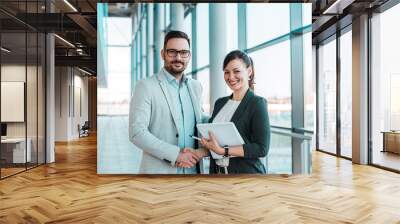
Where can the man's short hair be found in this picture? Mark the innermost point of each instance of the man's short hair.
(175, 34)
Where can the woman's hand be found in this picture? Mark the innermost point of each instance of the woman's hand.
(212, 144)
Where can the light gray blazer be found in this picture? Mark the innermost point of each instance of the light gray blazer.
(153, 123)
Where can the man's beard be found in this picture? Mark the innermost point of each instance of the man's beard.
(171, 69)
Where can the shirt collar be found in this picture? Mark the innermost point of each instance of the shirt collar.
(171, 78)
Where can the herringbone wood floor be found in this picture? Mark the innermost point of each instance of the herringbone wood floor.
(70, 191)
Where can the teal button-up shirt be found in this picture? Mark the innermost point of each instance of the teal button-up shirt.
(186, 117)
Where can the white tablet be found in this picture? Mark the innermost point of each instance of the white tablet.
(226, 133)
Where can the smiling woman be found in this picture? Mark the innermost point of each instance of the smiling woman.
(249, 114)
(238, 69)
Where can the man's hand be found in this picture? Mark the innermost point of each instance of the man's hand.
(201, 152)
(187, 158)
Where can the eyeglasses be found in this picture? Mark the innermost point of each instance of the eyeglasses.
(174, 53)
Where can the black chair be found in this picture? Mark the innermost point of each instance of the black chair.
(84, 130)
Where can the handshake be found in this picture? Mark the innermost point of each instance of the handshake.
(188, 157)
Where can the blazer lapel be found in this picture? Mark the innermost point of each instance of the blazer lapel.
(195, 102)
(163, 83)
(242, 106)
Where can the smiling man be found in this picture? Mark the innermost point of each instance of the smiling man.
(164, 111)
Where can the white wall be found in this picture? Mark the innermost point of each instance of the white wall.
(79, 117)
(61, 103)
(70, 83)
(33, 126)
(14, 73)
(378, 107)
(17, 73)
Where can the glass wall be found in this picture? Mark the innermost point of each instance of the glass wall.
(385, 89)
(41, 98)
(272, 66)
(346, 93)
(204, 77)
(334, 60)
(232, 29)
(272, 63)
(187, 28)
(309, 83)
(22, 92)
(31, 100)
(13, 77)
(202, 52)
(276, 22)
(202, 23)
(327, 96)
(114, 97)
(270, 48)
(143, 40)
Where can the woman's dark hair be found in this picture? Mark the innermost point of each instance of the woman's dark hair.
(237, 54)
(251, 77)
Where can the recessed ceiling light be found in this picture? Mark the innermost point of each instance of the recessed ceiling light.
(338, 6)
(84, 71)
(70, 5)
(5, 50)
(64, 40)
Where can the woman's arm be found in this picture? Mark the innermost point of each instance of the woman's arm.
(260, 136)
(236, 151)
(260, 132)
(212, 144)
(233, 151)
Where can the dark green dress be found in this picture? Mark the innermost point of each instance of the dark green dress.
(251, 120)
